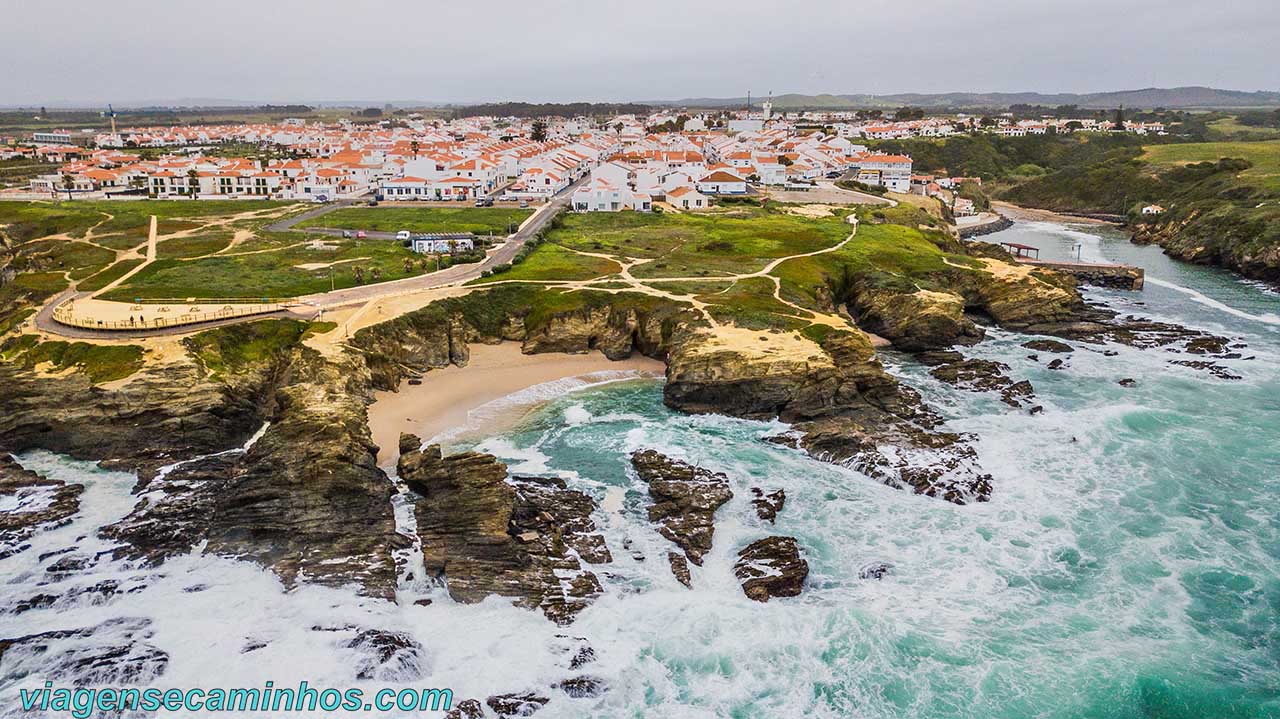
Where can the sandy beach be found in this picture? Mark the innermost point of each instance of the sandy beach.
(1031, 214)
(446, 397)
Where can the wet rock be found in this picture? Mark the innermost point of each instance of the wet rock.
(387, 656)
(516, 705)
(685, 499)
(583, 687)
(978, 375)
(875, 570)
(422, 602)
(582, 652)
(680, 568)
(253, 645)
(466, 709)
(522, 538)
(1127, 382)
(1056, 364)
(1046, 345)
(1212, 368)
(768, 505)
(95, 594)
(771, 567)
(32, 503)
(115, 652)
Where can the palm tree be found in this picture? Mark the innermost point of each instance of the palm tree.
(68, 183)
(414, 146)
(408, 265)
(358, 273)
(376, 273)
(193, 182)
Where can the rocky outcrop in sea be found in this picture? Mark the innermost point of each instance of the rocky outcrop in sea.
(685, 500)
(484, 534)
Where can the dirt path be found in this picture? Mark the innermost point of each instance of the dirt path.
(151, 257)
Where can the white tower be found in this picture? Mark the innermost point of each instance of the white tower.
(768, 106)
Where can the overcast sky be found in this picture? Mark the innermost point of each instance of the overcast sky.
(125, 51)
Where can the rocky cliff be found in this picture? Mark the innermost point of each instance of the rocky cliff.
(484, 535)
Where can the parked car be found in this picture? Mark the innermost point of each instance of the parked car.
(524, 204)
(403, 235)
(460, 198)
(346, 234)
(361, 235)
(484, 202)
(373, 203)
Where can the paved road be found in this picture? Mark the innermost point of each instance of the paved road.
(307, 306)
(457, 274)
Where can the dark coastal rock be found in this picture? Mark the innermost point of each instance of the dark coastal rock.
(387, 656)
(1056, 364)
(577, 649)
(1046, 345)
(115, 652)
(466, 709)
(521, 538)
(1212, 368)
(37, 503)
(875, 570)
(1127, 382)
(92, 594)
(978, 375)
(680, 568)
(583, 687)
(768, 505)
(516, 705)
(771, 567)
(685, 500)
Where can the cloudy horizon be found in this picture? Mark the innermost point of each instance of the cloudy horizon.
(134, 52)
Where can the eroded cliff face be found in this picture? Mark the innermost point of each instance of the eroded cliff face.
(305, 500)
(843, 407)
(1246, 241)
(165, 413)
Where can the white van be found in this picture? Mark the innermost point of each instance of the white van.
(402, 235)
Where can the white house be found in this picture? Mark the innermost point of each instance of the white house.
(722, 182)
(687, 198)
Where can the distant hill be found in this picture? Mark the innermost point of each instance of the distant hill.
(1185, 98)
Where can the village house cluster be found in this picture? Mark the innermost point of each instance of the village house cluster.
(626, 162)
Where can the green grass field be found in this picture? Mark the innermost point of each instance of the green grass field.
(1228, 128)
(478, 220)
(553, 262)
(1265, 157)
(275, 273)
(728, 242)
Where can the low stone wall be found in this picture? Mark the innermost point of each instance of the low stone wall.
(987, 228)
(1118, 277)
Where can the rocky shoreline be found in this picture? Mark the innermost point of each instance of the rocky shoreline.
(308, 501)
